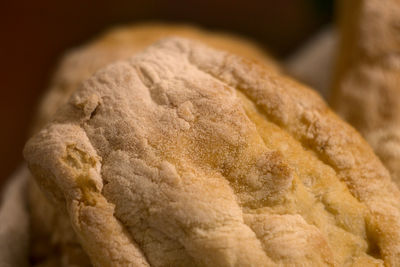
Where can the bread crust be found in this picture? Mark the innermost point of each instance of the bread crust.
(185, 155)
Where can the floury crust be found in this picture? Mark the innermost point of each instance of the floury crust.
(184, 155)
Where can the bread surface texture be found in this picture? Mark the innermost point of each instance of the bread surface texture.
(367, 88)
(53, 241)
(188, 156)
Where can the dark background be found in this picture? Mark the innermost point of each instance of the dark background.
(35, 33)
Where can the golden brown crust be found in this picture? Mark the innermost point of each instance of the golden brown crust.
(58, 237)
(366, 91)
(184, 155)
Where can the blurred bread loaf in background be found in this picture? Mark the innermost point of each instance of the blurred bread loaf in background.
(366, 88)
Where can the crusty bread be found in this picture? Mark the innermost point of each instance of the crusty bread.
(184, 155)
(367, 87)
(53, 240)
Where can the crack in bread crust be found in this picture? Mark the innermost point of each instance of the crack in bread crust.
(197, 175)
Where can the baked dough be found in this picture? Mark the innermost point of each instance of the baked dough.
(367, 87)
(188, 156)
(53, 240)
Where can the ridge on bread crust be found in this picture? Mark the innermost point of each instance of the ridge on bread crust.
(184, 155)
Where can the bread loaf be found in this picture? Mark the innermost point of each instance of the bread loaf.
(53, 241)
(367, 84)
(188, 156)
